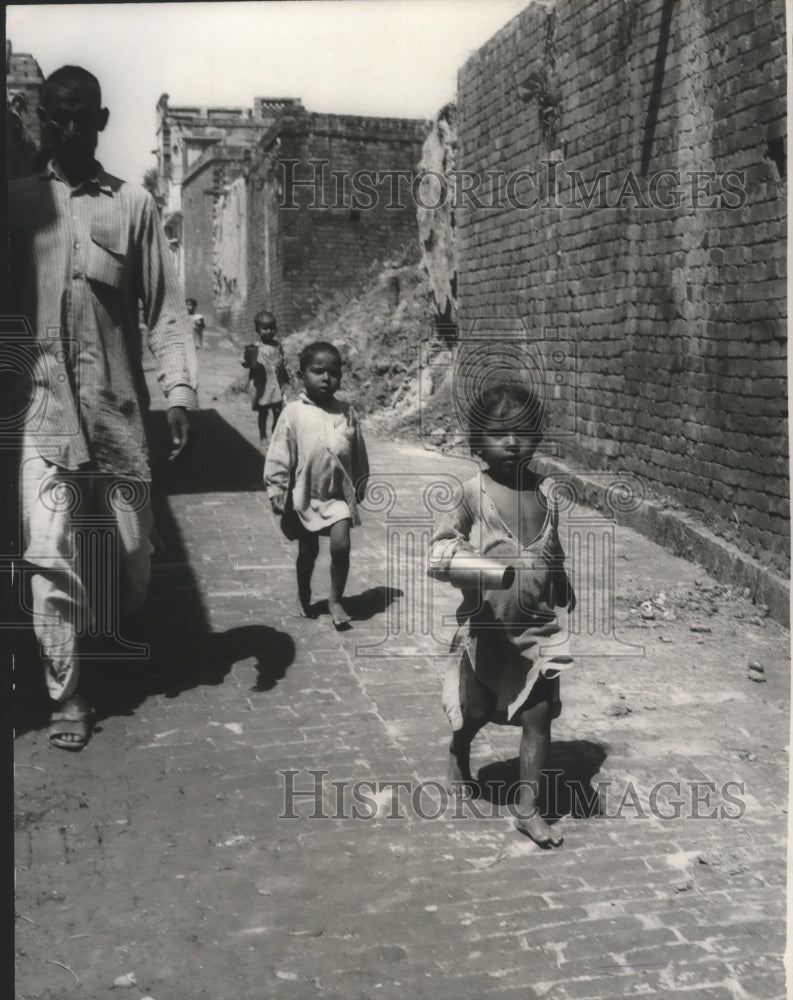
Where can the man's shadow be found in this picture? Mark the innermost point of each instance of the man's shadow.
(173, 648)
(119, 690)
(566, 789)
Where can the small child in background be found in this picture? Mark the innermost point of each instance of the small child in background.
(197, 322)
(503, 675)
(315, 472)
(267, 374)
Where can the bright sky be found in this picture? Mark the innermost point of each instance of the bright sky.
(395, 58)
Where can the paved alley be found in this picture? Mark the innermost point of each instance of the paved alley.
(259, 815)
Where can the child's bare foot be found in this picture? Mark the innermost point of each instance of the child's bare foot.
(458, 779)
(539, 831)
(341, 620)
(461, 789)
(303, 609)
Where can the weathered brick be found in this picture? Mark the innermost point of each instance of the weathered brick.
(681, 310)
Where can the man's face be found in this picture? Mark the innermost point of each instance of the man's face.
(73, 119)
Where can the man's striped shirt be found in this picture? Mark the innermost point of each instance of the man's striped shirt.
(83, 262)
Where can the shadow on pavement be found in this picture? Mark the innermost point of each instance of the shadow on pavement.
(272, 651)
(184, 654)
(362, 607)
(568, 790)
(221, 460)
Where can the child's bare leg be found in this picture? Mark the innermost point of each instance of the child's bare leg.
(477, 704)
(458, 775)
(534, 743)
(339, 569)
(306, 557)
(261, 416)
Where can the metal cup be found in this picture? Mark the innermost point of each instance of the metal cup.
(480, 573)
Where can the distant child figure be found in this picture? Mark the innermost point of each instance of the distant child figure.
(315, 473)
(503, 675)
(267, 374)
(197, 322)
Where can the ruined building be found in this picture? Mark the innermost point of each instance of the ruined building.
(628, 225)
(23, 87)
(199, 150)
(325, 197)
(275, 206)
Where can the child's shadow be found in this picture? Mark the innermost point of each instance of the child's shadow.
(362, 607)
(273, 652)
(567, 789)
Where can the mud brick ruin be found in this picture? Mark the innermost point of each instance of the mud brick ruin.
(318, 234)
(260, 202)
(199, 150)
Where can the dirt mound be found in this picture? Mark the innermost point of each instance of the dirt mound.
(394, 364)
(397, 370)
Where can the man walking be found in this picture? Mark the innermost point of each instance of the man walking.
(87, 250)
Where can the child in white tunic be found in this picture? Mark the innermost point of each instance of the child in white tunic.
(315, 473)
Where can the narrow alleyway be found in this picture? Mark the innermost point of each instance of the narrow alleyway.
(165, 850)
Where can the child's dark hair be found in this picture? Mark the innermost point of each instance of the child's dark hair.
(191, 302)
(264, 318)
(318, 347)
(505, 406)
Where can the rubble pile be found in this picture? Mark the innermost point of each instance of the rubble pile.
(383, 330)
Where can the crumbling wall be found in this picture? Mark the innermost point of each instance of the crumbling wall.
(436, 221)
(325, 201)
(640, 222)
(202, 189)
(229, 267)
(269, 247)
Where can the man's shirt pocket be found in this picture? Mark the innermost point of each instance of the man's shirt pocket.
(105, 263)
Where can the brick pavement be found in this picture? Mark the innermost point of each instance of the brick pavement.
(159, 850)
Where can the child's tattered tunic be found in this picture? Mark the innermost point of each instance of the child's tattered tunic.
(270, 357)
(511, 637)
(318, 456)
(268, 374)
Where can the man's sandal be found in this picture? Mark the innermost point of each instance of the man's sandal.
(70, 728)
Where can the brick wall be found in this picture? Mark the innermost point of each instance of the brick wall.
(667, 299)
(301, 254)
(201, 188)
(230, 245)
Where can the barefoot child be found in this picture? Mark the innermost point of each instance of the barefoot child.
(503, 674)
(197, 323)
(267, 374)
(315, 473)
